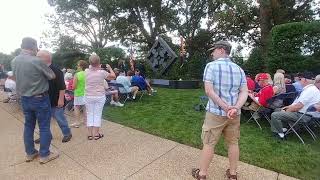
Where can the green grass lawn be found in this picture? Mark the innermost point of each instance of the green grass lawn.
(170, 114)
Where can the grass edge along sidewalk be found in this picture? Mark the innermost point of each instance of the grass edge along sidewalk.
(170, 114)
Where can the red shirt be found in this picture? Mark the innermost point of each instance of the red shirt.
(251, 84)
(264, 94)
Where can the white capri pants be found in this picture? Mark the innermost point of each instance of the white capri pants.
(94, 107)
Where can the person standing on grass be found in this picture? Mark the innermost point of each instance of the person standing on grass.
(79, 82)
(32, 77)
(226, 86)
(57, 88)
(95, 95)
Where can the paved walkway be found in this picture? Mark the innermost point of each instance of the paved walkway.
(123, 153)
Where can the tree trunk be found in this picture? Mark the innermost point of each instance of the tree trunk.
(265, 14)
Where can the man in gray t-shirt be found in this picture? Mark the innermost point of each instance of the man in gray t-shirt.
(32, 77)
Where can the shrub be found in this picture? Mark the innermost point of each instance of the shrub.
(253, 64)
(295, 47)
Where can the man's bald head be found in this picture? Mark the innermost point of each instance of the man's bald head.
(45, 56)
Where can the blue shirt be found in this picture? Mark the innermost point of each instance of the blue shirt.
(227, 79)
(298, 86)
(139, 81)
(125, 82)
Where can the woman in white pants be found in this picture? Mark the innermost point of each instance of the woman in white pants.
(95, 95)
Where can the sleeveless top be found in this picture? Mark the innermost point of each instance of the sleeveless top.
(79, 91)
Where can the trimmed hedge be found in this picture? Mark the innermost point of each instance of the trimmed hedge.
(295, 47)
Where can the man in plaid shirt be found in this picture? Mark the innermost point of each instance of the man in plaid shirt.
(226, 86)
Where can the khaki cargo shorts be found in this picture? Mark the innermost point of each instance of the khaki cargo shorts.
(214, 126)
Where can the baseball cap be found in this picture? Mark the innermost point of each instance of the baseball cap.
(10, 73)
(262, 76)
(221, 44)
(307, 75)
(29, 43)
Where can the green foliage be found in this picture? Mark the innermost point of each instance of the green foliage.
(295, 47)
(67, 59)
(110, 55)
(91, 20)
(254, 64)
(5, 59)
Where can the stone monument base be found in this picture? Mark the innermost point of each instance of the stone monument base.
(176, 84)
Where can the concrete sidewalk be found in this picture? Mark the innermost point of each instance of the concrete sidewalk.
(123, 153)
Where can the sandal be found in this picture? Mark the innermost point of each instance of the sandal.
(196, 175)
(231, 177)
(90, 137)
(98, 136)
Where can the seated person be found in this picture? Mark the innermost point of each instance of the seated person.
(297, 85)
(141, 82)
(10, 87)
(265, 93)
(279, 85)
(126, 82)
(68, 79)
(317, 106)
(114, 95)
(288, 82)
(317, 81)
(309, 95)
(250, 83)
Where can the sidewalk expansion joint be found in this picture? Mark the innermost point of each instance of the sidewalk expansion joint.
(82, 166)
(17, 163)
(152, 161)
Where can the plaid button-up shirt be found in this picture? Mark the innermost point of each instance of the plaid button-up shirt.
(227, 78)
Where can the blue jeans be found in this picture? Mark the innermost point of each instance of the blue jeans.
(37, 108)
(58, 114)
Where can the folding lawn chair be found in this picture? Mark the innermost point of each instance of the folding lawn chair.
(301, 124)
(69, 96)
(11, 97)
(254, 115)
(123, 95)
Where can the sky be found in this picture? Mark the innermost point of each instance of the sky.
(19, 19)
(22, 18)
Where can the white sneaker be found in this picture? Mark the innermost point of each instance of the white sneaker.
(119, 104)
(113, 103)
(281, 135)
(284, 129)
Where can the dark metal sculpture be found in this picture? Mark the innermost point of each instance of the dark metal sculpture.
(161, 56)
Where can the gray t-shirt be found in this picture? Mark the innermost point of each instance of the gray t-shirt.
(31, 74)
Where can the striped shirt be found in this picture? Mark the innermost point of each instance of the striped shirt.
(227, 78)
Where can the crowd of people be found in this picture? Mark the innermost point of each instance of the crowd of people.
(45, 92)
(230, 90)
(269, 95)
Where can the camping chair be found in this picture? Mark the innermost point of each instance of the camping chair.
(202, 104)
(11, 97)
(142, 90)
(289, 98)
(258, 112)
(123, 96)
(300, 124)
(254, 114)
(203, 101)
(69, 96)
(108, 97)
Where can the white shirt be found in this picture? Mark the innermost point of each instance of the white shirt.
(310, 95)
(10, 84)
